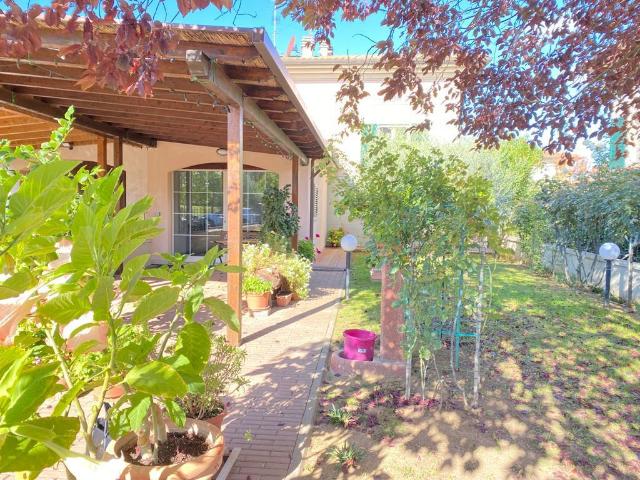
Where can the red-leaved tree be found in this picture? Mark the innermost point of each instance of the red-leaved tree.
(557, 69)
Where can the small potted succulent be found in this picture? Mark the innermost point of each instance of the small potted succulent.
(221, 377)
(258, 292)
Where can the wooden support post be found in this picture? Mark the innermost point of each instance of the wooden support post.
(312, 198)
(102, 155)
(117, 162)
(294, 196)
(234, 214)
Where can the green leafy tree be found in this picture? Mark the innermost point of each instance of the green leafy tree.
(422, 210)
(84, 309)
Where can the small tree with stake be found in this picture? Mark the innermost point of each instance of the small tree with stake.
(415, 205)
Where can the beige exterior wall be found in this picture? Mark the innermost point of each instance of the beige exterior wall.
(149, 172)
(318, 84)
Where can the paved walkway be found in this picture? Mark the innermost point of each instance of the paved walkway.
(285, 354)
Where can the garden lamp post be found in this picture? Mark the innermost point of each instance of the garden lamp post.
(609, 251)
(348, 243)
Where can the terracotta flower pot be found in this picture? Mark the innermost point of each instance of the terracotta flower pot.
(260, 301)
(283, 299)
(115, 392)
(218, 419)
(114, 467)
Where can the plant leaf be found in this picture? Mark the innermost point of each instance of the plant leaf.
(193, 342)
(155, 303)
(157, 378)
(224, 312)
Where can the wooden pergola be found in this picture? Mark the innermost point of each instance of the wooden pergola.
(222, 87)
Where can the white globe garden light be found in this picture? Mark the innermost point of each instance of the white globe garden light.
(348, 243)
(609, 251)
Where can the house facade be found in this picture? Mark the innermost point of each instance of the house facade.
(187, 173)
(315, 75)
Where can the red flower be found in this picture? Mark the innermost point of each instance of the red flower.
(317, 235)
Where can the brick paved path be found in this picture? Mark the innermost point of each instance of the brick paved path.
(284, 352)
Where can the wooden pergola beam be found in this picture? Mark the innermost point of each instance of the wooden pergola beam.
(163, 101)
(213, 79)
(40, 109)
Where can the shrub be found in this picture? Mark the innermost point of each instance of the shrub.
(307, 249)
(279, 214)
(255, 285)
(221, 377)
(296, 272)
(257, 257)
(334, 236)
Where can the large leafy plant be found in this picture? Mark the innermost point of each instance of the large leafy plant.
(78, 303)
(279, 214)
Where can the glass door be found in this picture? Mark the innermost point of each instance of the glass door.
(198, 218)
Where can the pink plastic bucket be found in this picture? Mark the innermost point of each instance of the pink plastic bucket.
(358, 344)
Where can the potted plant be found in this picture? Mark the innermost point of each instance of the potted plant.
(258, 292)
(82, 341)
(222, 376)
(283, 298)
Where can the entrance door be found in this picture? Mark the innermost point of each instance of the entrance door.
(198, 218)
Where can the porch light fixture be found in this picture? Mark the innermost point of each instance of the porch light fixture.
(348, 243)
(222, 152)
(609, 251)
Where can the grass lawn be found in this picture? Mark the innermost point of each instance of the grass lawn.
(561, 395)
(363, 308)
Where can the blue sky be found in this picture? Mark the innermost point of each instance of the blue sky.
(259, 13)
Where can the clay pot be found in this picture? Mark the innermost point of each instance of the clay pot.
(217, 420)
(115, 392)
(204, 466)
(260, 301)
(283, 299)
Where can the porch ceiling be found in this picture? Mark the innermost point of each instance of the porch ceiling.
(21, 129)
(181, 110)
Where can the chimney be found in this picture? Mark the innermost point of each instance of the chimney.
(307, 46)
(325, 50)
